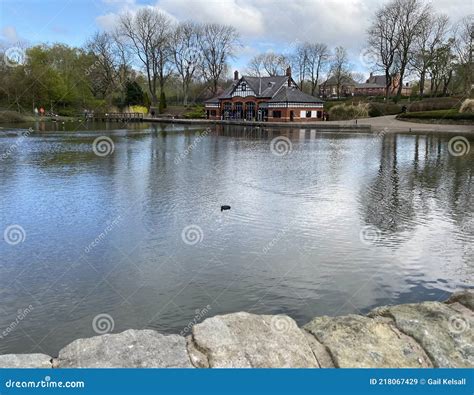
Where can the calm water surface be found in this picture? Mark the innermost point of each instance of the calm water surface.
(342, 223)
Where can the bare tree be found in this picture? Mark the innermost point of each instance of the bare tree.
(148, 33)
(187, 54)
(383, 40)
(300, 62)
(412, 15)
(217, 44)
(103, 73)
(255, 66)
(340, 68)
(275, 64)
(318, 60)
(463, 33)
(431, 36)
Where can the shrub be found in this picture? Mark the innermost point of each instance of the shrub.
(431, 104)
(380, 109)
(13, 116)
(342, 112)
(467, 106)
(140, 109)
(195, 112)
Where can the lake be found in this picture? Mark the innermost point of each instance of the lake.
(130, 228)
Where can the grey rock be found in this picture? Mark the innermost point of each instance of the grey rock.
(320, 352)
(466, 298)
(444, 332)
(243, 340)
(25, 361)
(354, 341)
(129, 349)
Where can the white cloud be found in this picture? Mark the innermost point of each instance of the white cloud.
(10, 35)
(278, 24)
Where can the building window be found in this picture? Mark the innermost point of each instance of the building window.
(213, 113)
(244, 86)
(319, 114)
(308, 114)
(276, 114)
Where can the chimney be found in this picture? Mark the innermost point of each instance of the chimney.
(236, 75)
(288, 74)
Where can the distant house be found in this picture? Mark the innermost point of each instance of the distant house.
(329, 88)
(275, 98)
(376, 85)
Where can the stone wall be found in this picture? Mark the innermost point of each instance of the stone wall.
(428, 334)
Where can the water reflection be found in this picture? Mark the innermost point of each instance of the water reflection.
(291, 243)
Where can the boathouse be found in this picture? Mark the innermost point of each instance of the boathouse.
(276, 99)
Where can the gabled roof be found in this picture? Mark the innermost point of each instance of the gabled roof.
(266, 86)
(369, 85)
(346, 80)
(294, 95)
(377, 79)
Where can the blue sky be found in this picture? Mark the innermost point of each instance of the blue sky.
(264, 25)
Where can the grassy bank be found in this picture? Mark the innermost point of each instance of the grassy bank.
(438, 116)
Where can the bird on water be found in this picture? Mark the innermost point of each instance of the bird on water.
(225, 207)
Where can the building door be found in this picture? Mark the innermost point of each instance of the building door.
(292, 115)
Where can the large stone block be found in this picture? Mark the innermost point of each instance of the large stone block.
(25, 361)
(355, 341)
(243, 340)
(444, 333)
(129, 349)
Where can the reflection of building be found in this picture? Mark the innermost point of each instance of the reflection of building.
(265, 99)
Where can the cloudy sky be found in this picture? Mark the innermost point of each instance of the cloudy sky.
(264, 25)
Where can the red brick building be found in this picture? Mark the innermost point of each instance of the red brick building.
(275, 99)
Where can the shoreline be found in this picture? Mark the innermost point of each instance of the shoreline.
(415, 335)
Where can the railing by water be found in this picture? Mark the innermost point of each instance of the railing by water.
(118, 116)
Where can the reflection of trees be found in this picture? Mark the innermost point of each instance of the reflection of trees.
(405, 191)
